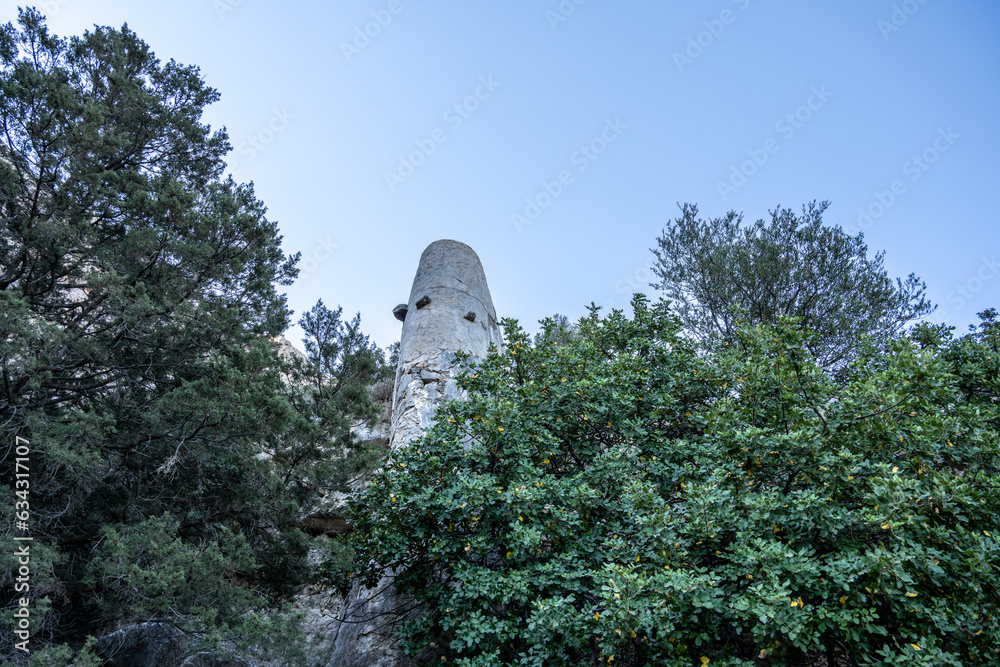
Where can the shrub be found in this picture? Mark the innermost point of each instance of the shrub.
(618, 498)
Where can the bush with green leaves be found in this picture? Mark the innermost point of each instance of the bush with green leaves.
(617, 497)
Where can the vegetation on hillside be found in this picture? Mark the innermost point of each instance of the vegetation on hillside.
(772, 468)
(171, 447)
(618, 497)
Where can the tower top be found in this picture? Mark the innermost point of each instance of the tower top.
(449, 309)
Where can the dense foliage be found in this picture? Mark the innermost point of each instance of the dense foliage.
(172, 448)
(719, 272)
(616, 497)
(328, 390)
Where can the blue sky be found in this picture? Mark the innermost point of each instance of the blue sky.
(581, 125)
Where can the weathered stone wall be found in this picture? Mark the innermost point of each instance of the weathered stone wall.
(449, 309)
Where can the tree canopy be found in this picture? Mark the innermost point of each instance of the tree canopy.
(620, 497)
(719, 272)
(170, 453)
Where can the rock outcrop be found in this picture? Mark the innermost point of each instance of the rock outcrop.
(449, 310)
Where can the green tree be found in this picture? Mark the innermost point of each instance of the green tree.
(622, 498)
(558, 328)
(329, 394)
(719, 272)
(138, 304)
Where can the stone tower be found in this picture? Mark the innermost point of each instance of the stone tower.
(449, 309)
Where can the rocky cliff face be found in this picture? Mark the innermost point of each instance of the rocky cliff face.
(449, 310)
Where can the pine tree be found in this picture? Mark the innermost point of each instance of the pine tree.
(138, 305)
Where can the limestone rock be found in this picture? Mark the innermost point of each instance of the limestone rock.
(156, 645)
(288, 351)
(370, 434)
(326, 515)
(450, 285)
(322, 610)
(451, 279)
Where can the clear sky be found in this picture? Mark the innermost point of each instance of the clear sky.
(603, 115)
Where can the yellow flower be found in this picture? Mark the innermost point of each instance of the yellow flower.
(500, 429)
(509, 554)
(704, 660)
(915, 647)
(597, 615)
